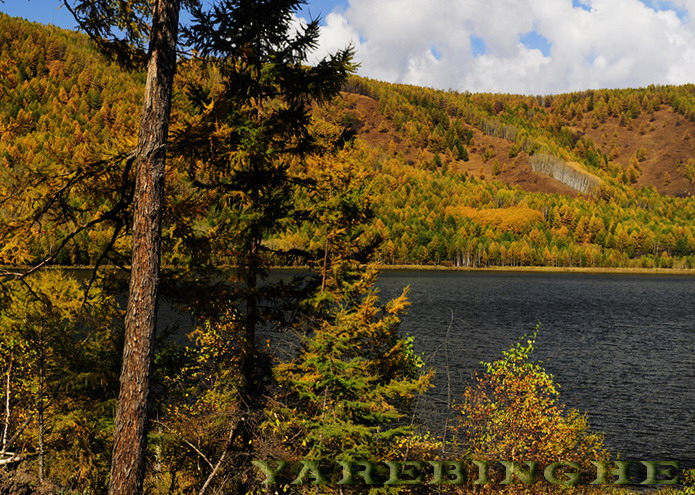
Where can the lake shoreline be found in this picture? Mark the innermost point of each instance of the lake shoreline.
(443, 268)
(545, 269)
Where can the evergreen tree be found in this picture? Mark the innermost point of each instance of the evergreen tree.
(243, 152)
(242, 146)
(346, 393)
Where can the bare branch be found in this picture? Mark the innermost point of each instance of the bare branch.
(104, 253)
(203, 456)
(213, 473)
(112, 214)
(13, 459)
(20, 430)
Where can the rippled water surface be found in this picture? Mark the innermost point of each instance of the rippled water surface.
(622, 347)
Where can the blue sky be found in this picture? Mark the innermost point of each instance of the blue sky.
(43, 11)
(51, 12)
(517, 46)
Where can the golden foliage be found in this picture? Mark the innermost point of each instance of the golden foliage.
(516, 219)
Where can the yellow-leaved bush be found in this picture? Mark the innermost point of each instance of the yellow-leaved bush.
(512, 413)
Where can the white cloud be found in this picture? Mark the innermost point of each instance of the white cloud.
(616, 43)
(337, 34)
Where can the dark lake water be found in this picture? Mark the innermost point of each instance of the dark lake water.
(622, 347)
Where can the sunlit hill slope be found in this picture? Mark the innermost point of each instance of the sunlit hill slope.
(596, 178)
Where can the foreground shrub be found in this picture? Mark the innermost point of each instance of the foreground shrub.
(512, 413)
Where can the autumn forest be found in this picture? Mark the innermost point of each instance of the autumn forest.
(271, 162)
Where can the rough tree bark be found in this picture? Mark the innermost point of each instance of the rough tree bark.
(128, 463)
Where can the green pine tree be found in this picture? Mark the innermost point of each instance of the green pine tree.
(347, 393)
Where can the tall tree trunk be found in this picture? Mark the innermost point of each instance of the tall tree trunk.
(6, 427)
(251, 388)
(128, 463)
(40, 402)
(324, 269)
(42, 450)
(41, 412)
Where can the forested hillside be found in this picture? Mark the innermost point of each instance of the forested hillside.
(598, 178)
(270, 163)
